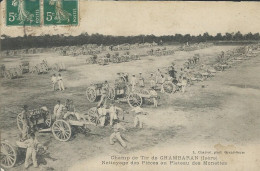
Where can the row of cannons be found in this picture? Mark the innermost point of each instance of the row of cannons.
(95, 49)
(25, 67)
(195, 46)
(112, 58)
(160, 52)
(121, 91)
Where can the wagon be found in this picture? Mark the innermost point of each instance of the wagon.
(138, 97)
(58, 67)
(169, 86)
(12, 73)
(92, 60)
(25, 67)
(60, 128)
(103, 61)
(93, 92)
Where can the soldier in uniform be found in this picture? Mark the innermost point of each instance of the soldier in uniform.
(140, 116)
(141, 80)
(133, 82)
(113, 112)
(32, 145)
(58, 110)
(104, 92)
(152, 81)
(26, 122)
(60, 83)
(102, 112)
(116, 135)
(54, 81)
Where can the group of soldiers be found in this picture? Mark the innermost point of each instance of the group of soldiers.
(28, 138)
(57, 80)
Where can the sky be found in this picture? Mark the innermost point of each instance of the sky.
(158, 18)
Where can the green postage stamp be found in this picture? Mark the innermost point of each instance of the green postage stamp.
(23, 13)
(60, 12)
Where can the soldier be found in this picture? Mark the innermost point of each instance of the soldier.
(104, 92)
(141, 80)
(154, 96)
(54, 81)
(183, 84)
(133, 82)
(116, 135)
(69, 105)
(32, 145)
(58, 110)
(113, 112)
(152, 81)
(26, 122)
(158, 76)
(102, 111)
(162, 82)
(60, 83)
(140, 116)
(172, 72)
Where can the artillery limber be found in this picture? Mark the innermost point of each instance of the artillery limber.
(25, 67)
(94, 92)
(92, 59)
(12, 154)
(12, 73)
(42, 121)
(103, 61)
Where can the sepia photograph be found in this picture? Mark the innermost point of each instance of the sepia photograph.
(91, 85)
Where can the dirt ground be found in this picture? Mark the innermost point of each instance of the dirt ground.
(223, 109)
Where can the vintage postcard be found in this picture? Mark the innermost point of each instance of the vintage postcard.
(135, 86)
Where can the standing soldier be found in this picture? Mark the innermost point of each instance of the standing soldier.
(104, 92)
(154, 96)
(133, 82)
(69, 105)
(140, 116)
(158, 76)
(102, 112)
(116, 135)
(58, 109)
(162, 82)
(152, 81)
(60, 83)
(141, 80)
(32, 146)
(26, 122)
(183, 84)
(113, 112)
(54, 81)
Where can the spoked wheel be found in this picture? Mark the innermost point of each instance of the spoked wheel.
(19, 121)
(8, 155)
(48, 120)
(91, 94)
(93, 115)
(169, 87)
(135, 100)
(61, 130)
(111, 93)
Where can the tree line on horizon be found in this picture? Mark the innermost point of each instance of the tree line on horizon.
(48, 41)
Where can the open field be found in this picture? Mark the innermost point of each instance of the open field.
(223, 109)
